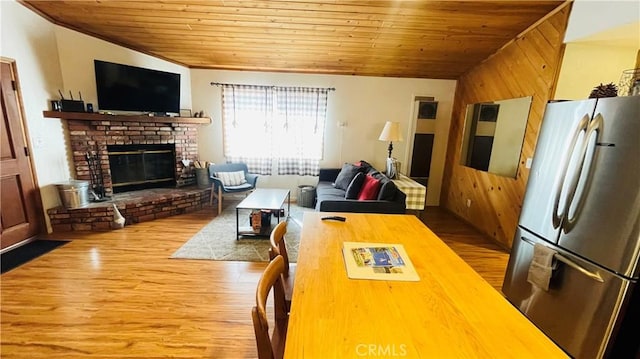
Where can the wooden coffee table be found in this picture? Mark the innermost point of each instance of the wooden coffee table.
(262, 198)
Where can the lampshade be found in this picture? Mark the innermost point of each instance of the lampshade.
(391, 132)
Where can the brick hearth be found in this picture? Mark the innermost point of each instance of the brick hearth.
(135, 206)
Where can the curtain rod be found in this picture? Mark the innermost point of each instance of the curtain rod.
(222, 84)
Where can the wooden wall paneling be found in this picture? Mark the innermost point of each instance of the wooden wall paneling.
(526, 67)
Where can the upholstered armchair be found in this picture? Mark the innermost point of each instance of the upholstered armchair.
(230, 178)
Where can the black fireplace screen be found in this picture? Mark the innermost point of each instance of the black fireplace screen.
(135, 167)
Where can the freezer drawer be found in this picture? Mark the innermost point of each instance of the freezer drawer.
(580, 312)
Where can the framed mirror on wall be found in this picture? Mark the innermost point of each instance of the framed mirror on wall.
(493, 135)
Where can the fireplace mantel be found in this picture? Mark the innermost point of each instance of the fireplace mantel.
(86, 116)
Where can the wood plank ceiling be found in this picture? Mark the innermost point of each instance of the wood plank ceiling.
(420, 39)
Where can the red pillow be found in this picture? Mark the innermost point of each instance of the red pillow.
(370, 188)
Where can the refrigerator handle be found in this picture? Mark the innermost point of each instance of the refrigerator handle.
(595, 276)
(556, 218)
(579, 268)
(594, 128)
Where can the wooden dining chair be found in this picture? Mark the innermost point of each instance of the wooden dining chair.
(270, 348)
(279, 248)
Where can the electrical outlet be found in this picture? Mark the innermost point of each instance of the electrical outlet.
(468, 202)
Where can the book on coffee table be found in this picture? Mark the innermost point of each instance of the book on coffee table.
(378, 261)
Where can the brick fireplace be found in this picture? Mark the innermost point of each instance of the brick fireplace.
(95, 134)
(94, 137)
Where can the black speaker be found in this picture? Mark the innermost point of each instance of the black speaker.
(90, 107)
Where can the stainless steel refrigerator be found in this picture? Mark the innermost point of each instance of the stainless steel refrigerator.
(583, 202)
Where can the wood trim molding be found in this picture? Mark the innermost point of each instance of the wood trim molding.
(85, 116)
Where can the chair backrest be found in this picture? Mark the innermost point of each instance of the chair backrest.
(228, 167)
(270, 348)
(278, 245)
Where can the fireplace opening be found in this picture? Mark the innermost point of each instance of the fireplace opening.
(136, 167)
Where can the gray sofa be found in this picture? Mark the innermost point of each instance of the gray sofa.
(329, 198)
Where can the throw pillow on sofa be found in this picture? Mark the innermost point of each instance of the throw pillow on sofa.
(366, 166)
(387, 191)
(346, 175)
(355, 186)
(370, 188)
(231, 178)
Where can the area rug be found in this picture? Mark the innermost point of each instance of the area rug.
(217, 240)
(23, 254)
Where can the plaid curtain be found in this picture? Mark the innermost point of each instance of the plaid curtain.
(284, 123)
(246, 122)
(300, 115)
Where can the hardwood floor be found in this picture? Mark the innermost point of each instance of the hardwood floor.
(485, 256)
(118, 295)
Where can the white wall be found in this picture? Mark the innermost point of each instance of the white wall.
(31, 41)
(77, 52)
(586, 65)
(361, 104)
(589, 17)
(602, 40)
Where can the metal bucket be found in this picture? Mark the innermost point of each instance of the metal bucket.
(74, 194)
(306, 196)
(202, 177)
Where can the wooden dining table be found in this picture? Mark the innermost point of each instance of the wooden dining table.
(451, 312)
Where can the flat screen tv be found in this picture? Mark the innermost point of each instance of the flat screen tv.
(129, 88)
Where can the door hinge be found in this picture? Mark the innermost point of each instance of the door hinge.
(13, 85)
(26, 151)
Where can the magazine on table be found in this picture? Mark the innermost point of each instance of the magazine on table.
(381, 261)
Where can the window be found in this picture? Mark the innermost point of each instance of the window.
(281, 127)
